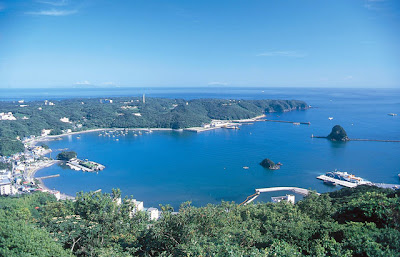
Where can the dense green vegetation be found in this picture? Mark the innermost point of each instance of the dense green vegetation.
(338, 134)
(126, 112)
(363, 221)
(9, 146)
(268, 164)
(66, 155)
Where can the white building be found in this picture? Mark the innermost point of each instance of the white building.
(5, 186)
(288, 198)
(56, 193)
(7, 116)
(45, 132)
(137, 206)
(4, 174)
(154, 213)
(65, 120)
(218, 123)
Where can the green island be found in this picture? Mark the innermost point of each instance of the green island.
(338, 134)
(361, 221)
(38, 118)
(268, 164)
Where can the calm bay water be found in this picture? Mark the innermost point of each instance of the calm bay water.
(173, 167)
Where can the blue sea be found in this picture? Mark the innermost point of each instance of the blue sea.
(171, 167)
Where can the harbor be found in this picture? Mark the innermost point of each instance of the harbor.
(349, 180)
(292, 122)
(84, 165)
(227, 124)
(289, 198)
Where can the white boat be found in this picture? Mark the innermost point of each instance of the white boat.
(392, 114)
(330, 118)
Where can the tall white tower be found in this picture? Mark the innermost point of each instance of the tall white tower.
(144, 98)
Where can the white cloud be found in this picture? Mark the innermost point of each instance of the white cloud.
(110, 83)
(349, 77)
(84, 82)
(217, 83)
(294, 54)
(53, 3)
(53, 12)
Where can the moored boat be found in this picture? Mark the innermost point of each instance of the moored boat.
(347, 177)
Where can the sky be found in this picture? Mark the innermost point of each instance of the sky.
(171, 43)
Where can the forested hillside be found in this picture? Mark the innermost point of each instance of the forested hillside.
(363, 221)
(124, 112)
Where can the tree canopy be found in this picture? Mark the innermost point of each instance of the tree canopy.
(362, 221)
(66, 155)
(338, 134)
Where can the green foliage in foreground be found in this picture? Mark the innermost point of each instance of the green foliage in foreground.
(87, 114)
(66, 155)
(363, 221)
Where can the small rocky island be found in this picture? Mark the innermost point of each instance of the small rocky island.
(338, 134)
(268, 164)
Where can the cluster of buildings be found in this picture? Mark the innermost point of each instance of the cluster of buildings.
(7, 116)
(17, 178)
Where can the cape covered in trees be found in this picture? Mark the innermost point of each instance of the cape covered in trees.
(124, 112)
(361, 221)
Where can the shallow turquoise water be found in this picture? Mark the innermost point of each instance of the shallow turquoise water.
(173, 167)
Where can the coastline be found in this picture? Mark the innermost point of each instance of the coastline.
(31, 176)
(36, 140)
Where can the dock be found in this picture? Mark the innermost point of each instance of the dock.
(50, 176)
(285, 121)
(375, 140)
(88, 166)
(228, 125)
(337, 181)
(297, 190)
(351, 185)
(360, 139)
